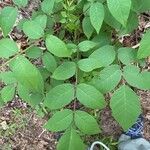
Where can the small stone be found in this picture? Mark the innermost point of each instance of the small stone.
(4, 125)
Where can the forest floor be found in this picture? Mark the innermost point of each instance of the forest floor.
(21, 128)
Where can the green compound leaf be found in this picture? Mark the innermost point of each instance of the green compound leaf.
(105, 55)
(21, 3)
(64, 71)
(97, 15)
(136, 79)
(125, 106)
(57, 47)
(87, 27)
(8, 18)
(71, 141)
(59, 96)
(89, 64)
(90, 96)
(8, 93)
(144, 50)
(120, 9)
(8, 48)
(86, 123)
(107, 79)
(127, 55)
(86, 45)
(47, 6)
(33, 30)
(60, 121)
(27, 74)
(49, 62)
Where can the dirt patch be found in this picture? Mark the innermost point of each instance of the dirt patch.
(21, 129)
(108, 124)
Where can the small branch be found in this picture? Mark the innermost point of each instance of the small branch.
(41, 133)
(21, 52)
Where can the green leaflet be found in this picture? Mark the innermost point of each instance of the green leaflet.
(47, 6)
(125, 106)
(103, 39)
(20, 24)
(33, 99)
(132, 24)
(49, 62)
(110, 20)
(21, 3)
(120, 10)
(59, 96)
(64, 71)
(70, 141)
(144, 50)
(7, 77)
(87, 27)
(72, 47)
(8, 18)
(89, 64)
(97, 15)
(144, 5)
(105, 55)
(41, 20)
(33, 29)
(90, 96)
(8, 48)
(44, 72)
(27, 74)
(60, 121)
(57, 47)
(107, 79)
(8, 93)
(86, 45)
(136, 79)
(86, 123)
(34, 52)
(140, 5)
(127, 55)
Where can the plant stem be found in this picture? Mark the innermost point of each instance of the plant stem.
(76, 83)
(19, 53)
(7, 62)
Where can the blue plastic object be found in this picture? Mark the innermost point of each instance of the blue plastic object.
(136, 130)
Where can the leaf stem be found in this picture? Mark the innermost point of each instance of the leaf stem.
(76, 82)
